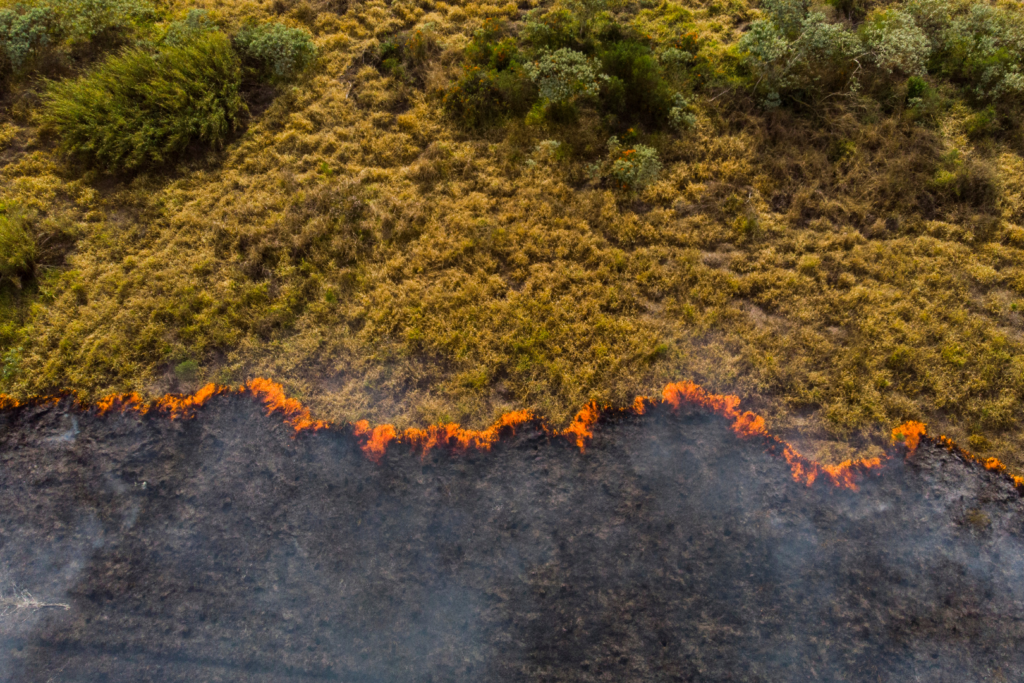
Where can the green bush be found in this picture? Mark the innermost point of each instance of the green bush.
(197, 23)
(489, 49)
(681, 116)
(140, 108)
(485, 96)
(552, 30)
(17, 246)
(800, 55)
(565, 76)
(67, 28)
(187, 371)
(637, 90)
(895, 43)
(94, 25)
(279, 53)
(917, 88)
(585, 12)
(631, 168)
(24, 33)
(979, 47)
(855, 10)
(493, 84)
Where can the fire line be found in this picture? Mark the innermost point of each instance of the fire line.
(375, 440)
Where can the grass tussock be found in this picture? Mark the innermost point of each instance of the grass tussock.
(393, 253)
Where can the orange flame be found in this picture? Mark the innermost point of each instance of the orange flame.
(991, 464)
(376, 440)
(748, 425)
(580, 428)
(453, 435)
(272, 395)
(185, 406)
(909, 433)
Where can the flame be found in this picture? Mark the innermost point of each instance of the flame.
(579, 431)
(909, 433)
(750, 425)
(375, 440)
(640, 405)
(185, 406)
(122, 403)
(452, 435)
(991, 464)
(273, 397)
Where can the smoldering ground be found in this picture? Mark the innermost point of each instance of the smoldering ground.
(226, 548)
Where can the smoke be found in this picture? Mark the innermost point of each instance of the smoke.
(231, 546)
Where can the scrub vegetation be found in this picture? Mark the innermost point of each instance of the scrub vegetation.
(420, 212)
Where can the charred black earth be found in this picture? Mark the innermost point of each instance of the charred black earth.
(226, 548)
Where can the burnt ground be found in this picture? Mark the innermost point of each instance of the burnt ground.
(222, 548)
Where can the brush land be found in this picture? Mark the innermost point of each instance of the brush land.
(421, 212)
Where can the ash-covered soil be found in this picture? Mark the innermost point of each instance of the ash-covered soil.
(224, 548)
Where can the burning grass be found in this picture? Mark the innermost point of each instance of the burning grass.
(842, 272)
(375, 440)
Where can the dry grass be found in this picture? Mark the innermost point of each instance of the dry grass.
(382, 264)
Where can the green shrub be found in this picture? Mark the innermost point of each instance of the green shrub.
(278, 53)
(493, 84)
(187, 371)
(485, 96)
(197, 23)
(565, 76)
(140, 108)
(631, 168)
(17, 246)
(816, 62)
(895, 43)
(24, 33)
(585, 12)
(674, 58)
(787, 16)
(980, 48)
(69, 28)
(801, 55)
(102, 24)
(552, 30)
(855, 10)
(983, 123)
(637, 90)
(489, 49)
(681, 115)
(917, 88)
